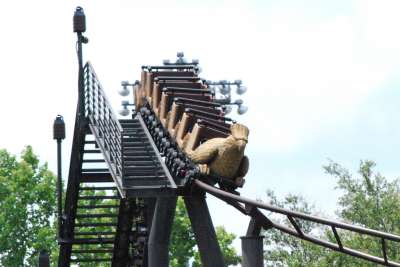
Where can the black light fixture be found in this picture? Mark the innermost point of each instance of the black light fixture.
(79, 20)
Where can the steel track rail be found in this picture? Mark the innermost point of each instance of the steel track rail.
(252, 209)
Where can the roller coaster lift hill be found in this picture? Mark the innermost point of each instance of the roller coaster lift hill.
(125, 175)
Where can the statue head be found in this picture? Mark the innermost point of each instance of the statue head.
(241, 134)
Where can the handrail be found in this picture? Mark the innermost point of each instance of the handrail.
(252, 210)
(103, 122)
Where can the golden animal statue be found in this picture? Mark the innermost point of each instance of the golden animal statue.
(224, 156)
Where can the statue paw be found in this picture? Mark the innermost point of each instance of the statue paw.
(204, 169)
(239, 181)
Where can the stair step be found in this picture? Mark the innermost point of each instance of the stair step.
(141, 147)
(129, 163)
(147, 187)
(146, 181)
(98, 188)
(96, 215)
(135, 143)
(91, 224)
(134, 137)
(93, 241)
(91, 260)
(152, 167)
(93, 161)
(122, 122)
(96, 178)
(133, 132)
(94, 251)
(94, 233)
(139, 158)
(102, 170)
(145, 177)
(92, 151)
(141, 153)
(98, 206)
(98, 197)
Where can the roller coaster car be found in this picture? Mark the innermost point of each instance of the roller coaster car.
(184, 106)
(174, 94)
(162, 82)
(192, 116)
(148, 75)
(174, 117)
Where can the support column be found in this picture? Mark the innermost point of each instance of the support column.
(204, 232)
(252, 246)
(252, 251)
(150, 204)
(158, 253)
(44, 259)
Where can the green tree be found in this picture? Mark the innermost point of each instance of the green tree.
(27, 209)
(369, 200)
(286, 250)
(183, 245)
(27, 217)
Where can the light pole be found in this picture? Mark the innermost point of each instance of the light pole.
(59, 135)
(80, 28)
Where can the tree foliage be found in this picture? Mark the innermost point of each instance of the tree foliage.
(27, 208)
(369, 201)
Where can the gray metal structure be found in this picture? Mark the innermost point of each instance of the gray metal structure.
(125, 176)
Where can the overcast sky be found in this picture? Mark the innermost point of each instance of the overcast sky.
(323, 78)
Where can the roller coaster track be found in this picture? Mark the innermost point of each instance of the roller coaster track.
(139, 159)
(125, 176)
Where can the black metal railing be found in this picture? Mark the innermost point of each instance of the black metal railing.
(251, 208)
(103, 122)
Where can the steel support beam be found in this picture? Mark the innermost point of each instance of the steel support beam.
(204, 232)
(161, 226)
(124, 227)
(44, 259)
(252, 251)
(71, 196)
(150, 205)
